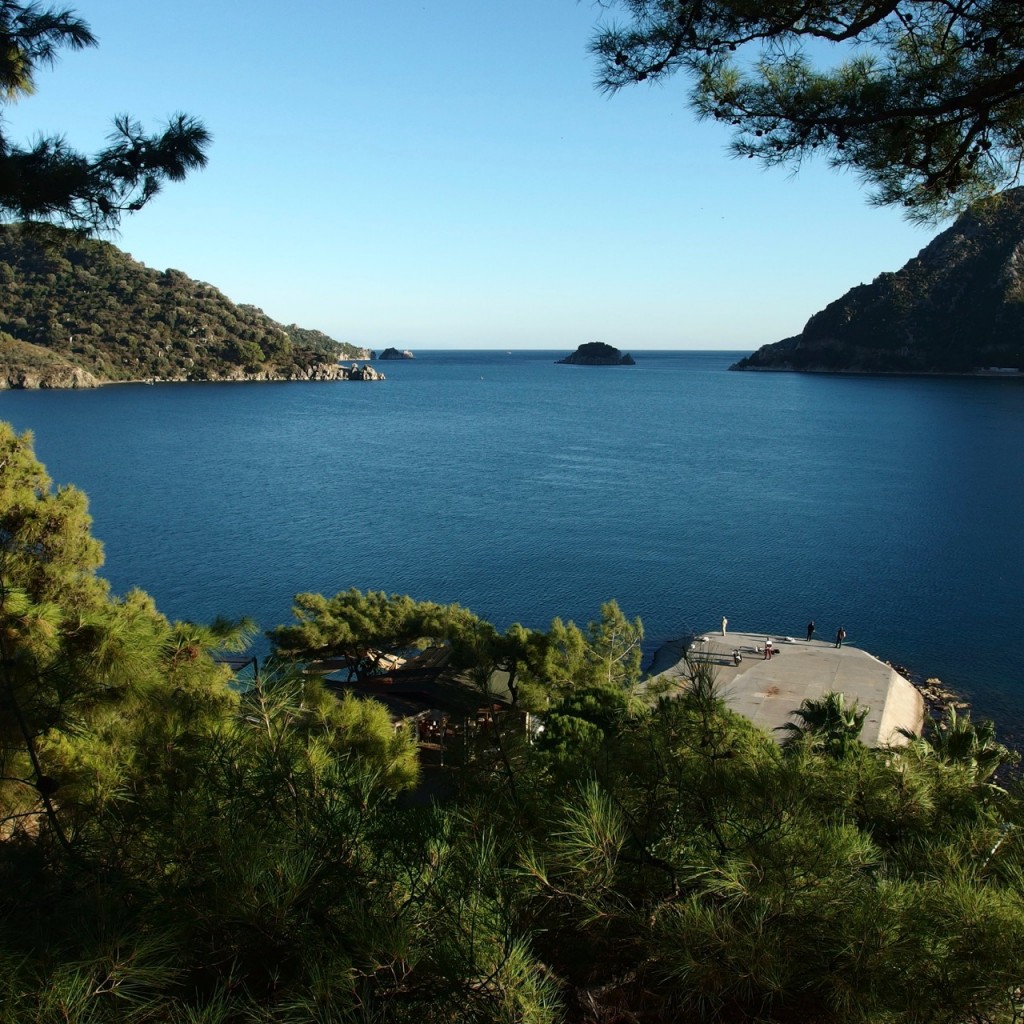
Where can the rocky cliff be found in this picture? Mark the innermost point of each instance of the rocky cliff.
(56, 376)
(957, 307)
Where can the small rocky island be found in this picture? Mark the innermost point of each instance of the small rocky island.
(597, 353)
(393, 353)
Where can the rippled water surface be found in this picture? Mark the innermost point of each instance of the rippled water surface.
(525, 490)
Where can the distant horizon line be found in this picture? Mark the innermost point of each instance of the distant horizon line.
(407, 347)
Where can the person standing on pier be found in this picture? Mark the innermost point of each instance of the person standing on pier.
(810, 630)
(840, 636)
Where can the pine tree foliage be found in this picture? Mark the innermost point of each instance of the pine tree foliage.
(365, 629)
(49, 181)
(923, 99)
(175, 848)
(607, 654)
(710, 876)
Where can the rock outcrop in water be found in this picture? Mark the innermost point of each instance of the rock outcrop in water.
(393, 353)
(597, 353)
(957, 307)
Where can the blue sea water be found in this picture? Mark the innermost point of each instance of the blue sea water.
(525, 490)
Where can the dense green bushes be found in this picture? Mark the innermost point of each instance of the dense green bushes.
(177, 848)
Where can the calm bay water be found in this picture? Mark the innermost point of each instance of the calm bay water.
(526, 490)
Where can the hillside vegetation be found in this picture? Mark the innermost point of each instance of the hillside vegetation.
(77, 311)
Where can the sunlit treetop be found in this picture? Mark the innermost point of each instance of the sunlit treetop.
(924, 99)
(48, 180)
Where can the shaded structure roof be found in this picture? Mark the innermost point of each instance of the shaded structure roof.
(422, 683)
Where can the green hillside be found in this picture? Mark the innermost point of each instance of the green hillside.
(78, 308)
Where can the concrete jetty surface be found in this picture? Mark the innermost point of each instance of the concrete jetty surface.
(768, 691)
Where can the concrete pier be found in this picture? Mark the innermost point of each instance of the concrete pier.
(768, 691)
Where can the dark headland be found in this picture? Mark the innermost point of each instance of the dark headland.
(597, 353)
(955, 308)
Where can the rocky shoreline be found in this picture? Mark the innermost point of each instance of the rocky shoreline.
(937, 696)
(68, 378)
(1000, 374)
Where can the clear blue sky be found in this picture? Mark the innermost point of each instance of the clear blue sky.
(445, 175)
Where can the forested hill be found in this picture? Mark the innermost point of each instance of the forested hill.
(957, 307)
(77, 311)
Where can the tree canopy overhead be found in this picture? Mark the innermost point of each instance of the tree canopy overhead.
(48, 180)
(924, 99)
